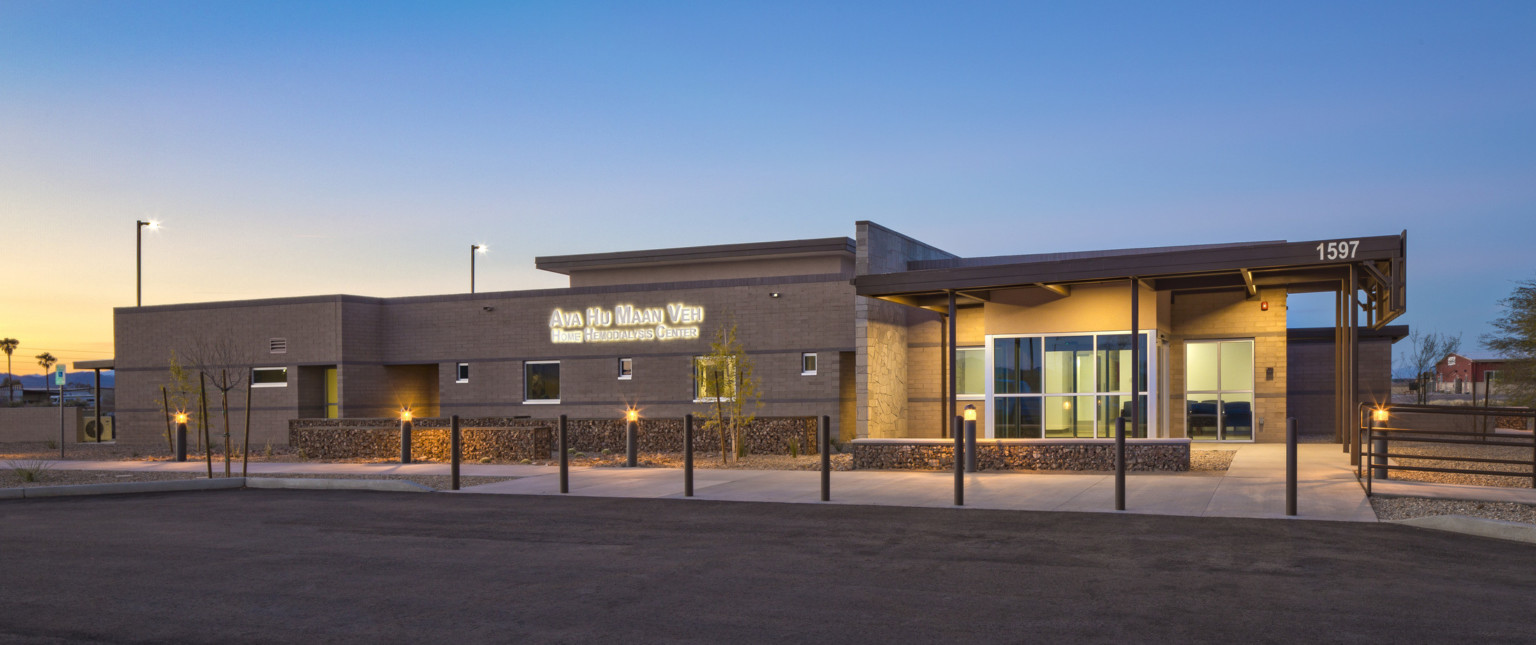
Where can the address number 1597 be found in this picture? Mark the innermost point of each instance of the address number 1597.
(1341, 250)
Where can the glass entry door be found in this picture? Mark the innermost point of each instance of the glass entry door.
(1218, 389)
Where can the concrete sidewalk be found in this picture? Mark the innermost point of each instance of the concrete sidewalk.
(1254, 486)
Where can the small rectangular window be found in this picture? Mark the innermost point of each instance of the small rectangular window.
(808, 364)
(463, 373)
(626, 368)
(714, 379)
(277, 346)
(541, 382)
(269, 377)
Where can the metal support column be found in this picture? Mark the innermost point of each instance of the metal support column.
(956, 431)
(944, 367)
(948, 406)
(97, 406)
(1352, 381)
(456, 446)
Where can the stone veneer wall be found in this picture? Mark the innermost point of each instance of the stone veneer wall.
(995, 454)
(502, 438)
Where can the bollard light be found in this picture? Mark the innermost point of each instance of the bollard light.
(1379, 414)
(631, 415)
(970, 413)
(181, 417)
(405, 414)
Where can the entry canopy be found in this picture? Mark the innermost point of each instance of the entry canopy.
(1299, 267)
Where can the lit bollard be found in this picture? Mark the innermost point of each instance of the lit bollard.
(959, 434)
(631, 420)
(181, 436)
(688, 455)
(970, 438)
(826, 458)
(405, 436)
(456, 446)
(565, 459)
(1290, 466)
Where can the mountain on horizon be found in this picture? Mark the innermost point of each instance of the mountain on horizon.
(72, 378)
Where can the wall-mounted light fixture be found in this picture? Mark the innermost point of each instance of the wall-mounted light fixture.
(773, 295)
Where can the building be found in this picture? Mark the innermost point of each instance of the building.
(1468, 373)
(885, 334)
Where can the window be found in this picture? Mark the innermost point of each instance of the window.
(269, 377)
(1073, 386)
(463, 373)
(541, 382)
(277, 346)
(626, 368)
(970, 373)
(1218, 386)
(808, 364)
(713, 379)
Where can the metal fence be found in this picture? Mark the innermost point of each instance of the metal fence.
(1377, 441)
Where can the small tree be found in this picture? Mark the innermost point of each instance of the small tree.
(178, 395)
(9, 345)
(727, 383)
(47, 360)
(1424, 351)
(225, 366)
(1515, 338)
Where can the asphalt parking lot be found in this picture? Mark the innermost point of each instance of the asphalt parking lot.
(324, 566)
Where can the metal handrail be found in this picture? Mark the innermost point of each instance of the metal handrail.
(1367, 435)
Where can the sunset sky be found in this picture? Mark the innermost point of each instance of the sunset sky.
(295, 148)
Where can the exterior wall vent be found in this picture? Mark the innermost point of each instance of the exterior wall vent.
(278, 345)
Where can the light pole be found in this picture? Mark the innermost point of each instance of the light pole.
(474, 249)
(138, 231)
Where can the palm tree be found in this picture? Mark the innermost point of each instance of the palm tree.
(9, 345)
(47, 360)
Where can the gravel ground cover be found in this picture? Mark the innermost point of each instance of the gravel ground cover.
(1403, 508)
(709, 460)
(9, 478)
(1211, 461)
(1454, 450)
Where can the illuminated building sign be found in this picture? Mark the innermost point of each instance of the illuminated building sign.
(625, 323)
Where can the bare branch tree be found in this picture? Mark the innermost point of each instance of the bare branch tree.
(1425, 350)
(225, 364)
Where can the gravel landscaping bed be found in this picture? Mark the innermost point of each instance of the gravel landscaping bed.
(9, 478)
(1213, 461)
(50, 477)
(1523, 480)
(1402, 508)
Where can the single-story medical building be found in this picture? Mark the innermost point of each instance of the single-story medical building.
(885, 334)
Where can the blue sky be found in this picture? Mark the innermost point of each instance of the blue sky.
(297, 148)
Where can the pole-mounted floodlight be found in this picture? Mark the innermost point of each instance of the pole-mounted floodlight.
(138, 230)
(474, 249)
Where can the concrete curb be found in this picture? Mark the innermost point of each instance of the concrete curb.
(1497, 529)
(226, 483)
(388, 485)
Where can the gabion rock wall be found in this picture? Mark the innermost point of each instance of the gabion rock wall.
(1021, 456)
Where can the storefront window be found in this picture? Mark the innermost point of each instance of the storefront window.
(1219, 390)
(1066, 386)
